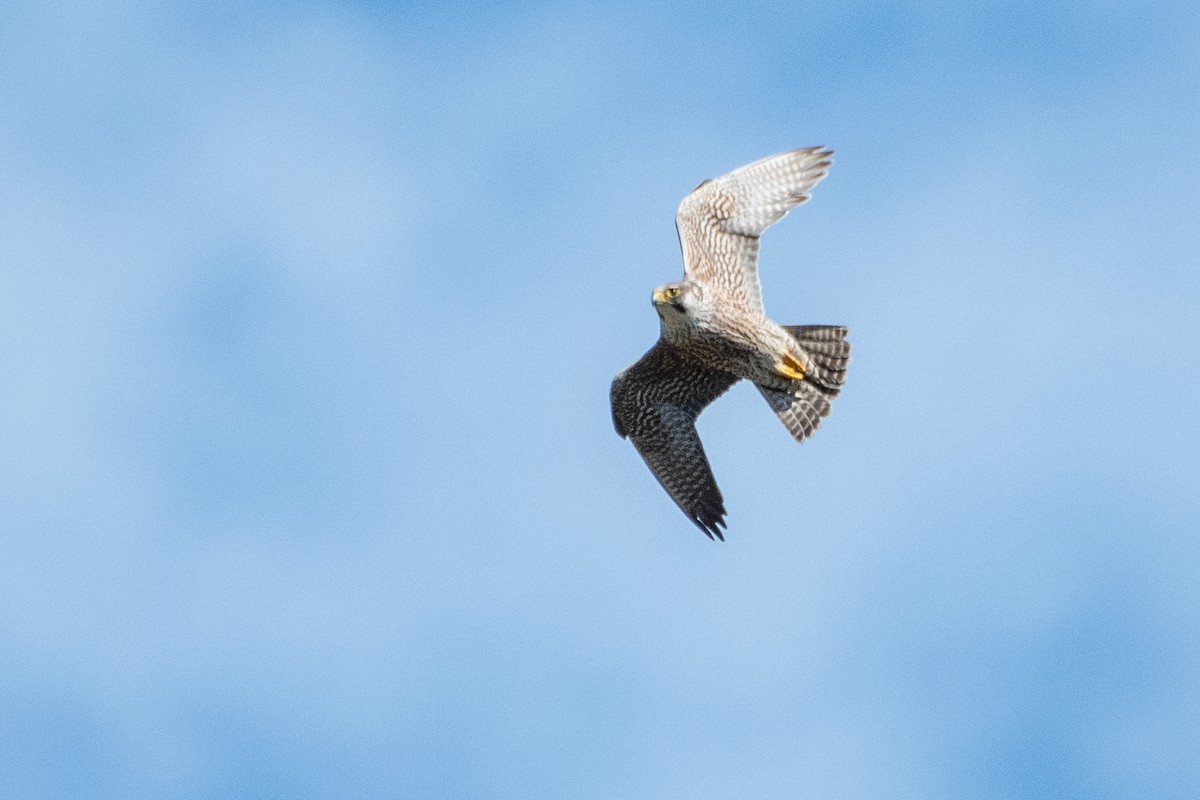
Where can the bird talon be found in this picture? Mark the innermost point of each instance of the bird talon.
(790, 367)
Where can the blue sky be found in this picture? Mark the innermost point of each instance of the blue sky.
(308, 314)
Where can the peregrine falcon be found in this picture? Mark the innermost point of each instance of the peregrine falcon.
(714, 333)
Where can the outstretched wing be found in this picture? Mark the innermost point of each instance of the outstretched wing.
(655, 402)
(720, 221)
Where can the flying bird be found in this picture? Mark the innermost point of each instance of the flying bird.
(714, 332)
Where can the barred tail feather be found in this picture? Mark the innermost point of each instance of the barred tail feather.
(800, 409)
(828, 355)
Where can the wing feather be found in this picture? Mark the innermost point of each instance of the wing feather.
(655, 402)
(720, 222)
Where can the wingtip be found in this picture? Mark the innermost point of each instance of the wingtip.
(820, 157)
(711, 527)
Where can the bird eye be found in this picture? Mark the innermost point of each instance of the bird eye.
(673, 291)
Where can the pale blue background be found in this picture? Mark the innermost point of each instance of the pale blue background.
(308, 314)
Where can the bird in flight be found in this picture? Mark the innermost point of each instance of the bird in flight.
(714, 332)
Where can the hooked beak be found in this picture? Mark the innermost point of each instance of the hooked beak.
(660, 297)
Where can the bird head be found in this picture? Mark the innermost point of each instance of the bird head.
(675, 298)
(679, 304)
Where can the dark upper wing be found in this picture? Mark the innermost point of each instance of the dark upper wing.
(655, 403)
(720, 221)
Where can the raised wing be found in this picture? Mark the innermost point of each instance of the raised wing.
(655, 402)
(720, 221)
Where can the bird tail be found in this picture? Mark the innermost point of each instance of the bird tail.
(801, 407)
(828, 354)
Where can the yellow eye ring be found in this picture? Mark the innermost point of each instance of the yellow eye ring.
(673, 292)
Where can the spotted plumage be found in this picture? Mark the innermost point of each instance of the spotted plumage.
(714, 332)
